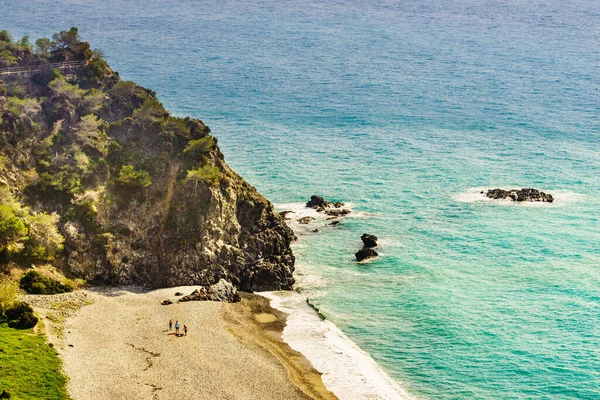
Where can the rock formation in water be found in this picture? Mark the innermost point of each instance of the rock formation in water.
(99, 179)
(321, 205)
(519, 195)
(369, 243)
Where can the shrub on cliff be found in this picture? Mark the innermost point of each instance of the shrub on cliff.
(34, 283)
(208, 173)
(199, 147)
(129, 176)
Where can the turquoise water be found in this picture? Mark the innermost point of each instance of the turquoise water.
(403, 109)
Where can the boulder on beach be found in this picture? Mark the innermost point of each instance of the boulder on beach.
(519, 195)
(166, 302)
(221, 291)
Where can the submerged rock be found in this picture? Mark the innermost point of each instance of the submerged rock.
(336, 222)
(519, 195)
(305, 220)
(220, 291)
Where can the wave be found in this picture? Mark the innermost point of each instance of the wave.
(349, 372)
(474, 195)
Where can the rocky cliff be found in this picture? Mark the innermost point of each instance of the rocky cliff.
(135, 194)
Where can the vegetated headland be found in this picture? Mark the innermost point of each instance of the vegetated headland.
(100, 187)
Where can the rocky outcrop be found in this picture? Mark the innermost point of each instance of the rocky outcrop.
(519, 195)
(320, 204)
(369, 243)
(140, 196)
(221, 291)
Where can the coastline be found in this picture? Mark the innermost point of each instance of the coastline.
(120, 338)
(348, 371)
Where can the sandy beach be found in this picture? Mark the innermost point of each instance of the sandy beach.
(120, 347)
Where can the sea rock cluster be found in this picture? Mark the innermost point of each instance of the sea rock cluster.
(368, 250)
(519, 195)
(331, 208)
(220, 291)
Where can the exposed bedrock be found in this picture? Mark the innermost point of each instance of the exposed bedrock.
(220, 291)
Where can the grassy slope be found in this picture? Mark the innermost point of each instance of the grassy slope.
(29, 368)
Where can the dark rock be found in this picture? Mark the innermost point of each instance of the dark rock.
(221, 291)
(322, 205)
(305, 220)
(316, 231)
(519, 195)
(166, 302)
(365, 253)
(178, 294)
(317, 202)
(369, 240)
(336, 222)
(337, 213)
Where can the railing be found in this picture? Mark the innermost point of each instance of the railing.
(41, 67)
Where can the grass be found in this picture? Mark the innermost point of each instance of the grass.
(29, 367)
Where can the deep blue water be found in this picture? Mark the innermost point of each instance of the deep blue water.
(403, 108)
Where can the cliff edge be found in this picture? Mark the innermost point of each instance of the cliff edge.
(99, 179)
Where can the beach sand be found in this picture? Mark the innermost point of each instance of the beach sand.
(119, 347)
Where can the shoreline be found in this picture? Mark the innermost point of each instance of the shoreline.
(348, 371)
(120, 338)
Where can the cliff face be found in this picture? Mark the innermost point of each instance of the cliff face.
(139, 196)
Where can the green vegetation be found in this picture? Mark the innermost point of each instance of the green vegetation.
(129, 176)
(199, 147)
(8, 295)
(29, 368)
(25, 235)
(208, 174)
(21, 316)
(33, 282)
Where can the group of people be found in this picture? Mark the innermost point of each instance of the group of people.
(185, 328)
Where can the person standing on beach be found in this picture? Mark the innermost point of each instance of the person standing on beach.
(170, 324)
(177, 327)
(185, 330)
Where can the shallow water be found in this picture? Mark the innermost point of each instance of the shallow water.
(406, 110)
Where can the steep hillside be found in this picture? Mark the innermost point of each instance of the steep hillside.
(99, 179)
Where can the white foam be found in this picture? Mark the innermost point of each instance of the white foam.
(474, 195)
(349, 372)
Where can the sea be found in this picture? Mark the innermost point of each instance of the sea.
(405, 110)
